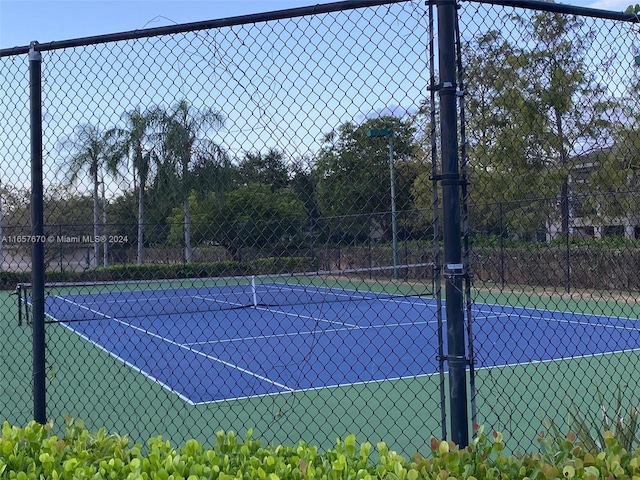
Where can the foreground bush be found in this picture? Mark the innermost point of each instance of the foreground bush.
(35, 451)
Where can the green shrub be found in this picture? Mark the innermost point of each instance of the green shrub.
(120, 272)
(9, 280)
(559, 457)
(35, 451)
(622, 424)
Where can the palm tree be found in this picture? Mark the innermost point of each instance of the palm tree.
(92, 149)
(137, 140)
(184, 127)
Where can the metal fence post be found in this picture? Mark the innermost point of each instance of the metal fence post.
(453, 267)
(37, 232)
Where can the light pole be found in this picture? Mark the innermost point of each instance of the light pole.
(387, 132)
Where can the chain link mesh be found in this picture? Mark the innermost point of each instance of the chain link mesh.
(552, 108)
(197, 183)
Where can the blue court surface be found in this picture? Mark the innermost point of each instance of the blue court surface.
(206, 352)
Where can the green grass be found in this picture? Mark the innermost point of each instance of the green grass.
(517, 399)
(605, 303)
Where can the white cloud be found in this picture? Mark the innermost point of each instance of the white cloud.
(389, 110)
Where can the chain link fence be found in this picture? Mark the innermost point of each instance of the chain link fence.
(551, 116)
(243, 225)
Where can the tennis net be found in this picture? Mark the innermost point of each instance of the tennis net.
(74, 302)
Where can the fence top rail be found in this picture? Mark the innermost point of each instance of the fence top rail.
(299, 12)
(560, 8)
(196, 26)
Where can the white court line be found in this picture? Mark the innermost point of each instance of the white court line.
(307, 332)
(559, 359)
(99, 301)
(280, 288)
(480, 313)
(305, 317)
(350, 326)
(179, 345)
(364, 295)
(424, 375)
(187, 346)
(207, 299)
(559, 312)
(522, 316)
(131, 365)
(478, 308)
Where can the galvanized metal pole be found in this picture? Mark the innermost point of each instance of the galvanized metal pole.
(37, 232)
(388, 133)
(394, 213)
(453, 266)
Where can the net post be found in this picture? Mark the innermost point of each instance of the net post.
(19, 294)
(25, 302)
(37, 229)
(253, 291)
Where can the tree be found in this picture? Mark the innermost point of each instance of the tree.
(138, 139)
(68, 213)
(1, 230)
(573, 103)
(93, 150)
(122, 208)
(252, 216)
(213, 172)
(421, 219)
(530, 107)
(352, 175)
(184, 128)
(302, 183)
(15, 219)
(509, 165)
(614, 176)
(16, 214)
(268, 169)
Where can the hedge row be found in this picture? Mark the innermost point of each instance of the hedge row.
(273, 265)
(600, 268)
(35, 451)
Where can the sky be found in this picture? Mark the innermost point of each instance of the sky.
(22, 21)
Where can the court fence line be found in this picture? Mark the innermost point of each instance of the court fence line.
(491, 200)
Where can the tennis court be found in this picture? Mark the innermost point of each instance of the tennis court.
(225, 340)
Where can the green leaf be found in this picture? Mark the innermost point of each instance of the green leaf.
(7, 447)
(350, 445)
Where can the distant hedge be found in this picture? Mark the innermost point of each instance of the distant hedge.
(587, 267)
(272, 265)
